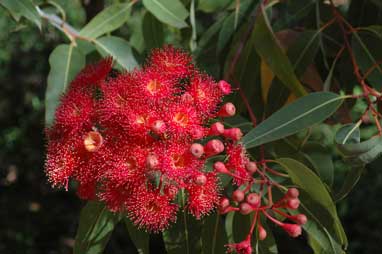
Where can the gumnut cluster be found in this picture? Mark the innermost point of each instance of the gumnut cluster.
(139, 140)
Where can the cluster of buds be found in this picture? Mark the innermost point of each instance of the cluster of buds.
(136, 140)
(258, 203)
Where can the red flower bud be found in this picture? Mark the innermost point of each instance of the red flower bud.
(152, 161)
(214, 147)
(245, 208)
(299, 219)
(251, 167)
(220, 167)
(197, 150)
(262, 232)
(93, 141)
(200, 179)
(225, 87)
(292, 229)
(233, 133)
(224, 203)
(253, 199)
(293, 203)
(158, 127)
(293, 193)
(227, 110)
(217, 129)
(238, 196)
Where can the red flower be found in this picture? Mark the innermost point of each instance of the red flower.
(243, 247)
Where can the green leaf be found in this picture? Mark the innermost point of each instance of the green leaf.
(317, 201)
(349, 183)
(207, 36)
(228, 27)
(267, 47)
(213, 234)
(22, 8)
(139, 237)
(212, 5)
(300, 114)
(171, 12)
(366, 48)
(348, 134)
(106, 21)
(95, 228)
(153, 33)
(119, 49)
(184, 237)
(228, 225)
(322, 161)
(65, 62)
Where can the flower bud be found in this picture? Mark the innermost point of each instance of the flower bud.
(225, 87)
(262, 232)
(224, 203)
(197, 133)
(251, 167)
(200, 180)
(293, 203)
(187, 97)
(152, 161)
(299, 219)
(238, 196)
(292, 229)
(245, 208)
(233, 133)
(217, 129)
(293, 193)
(253, 199)
(197, 150)
(220, 167)
(227, 110)
(158, 127)
(213, 147)
(93, 141)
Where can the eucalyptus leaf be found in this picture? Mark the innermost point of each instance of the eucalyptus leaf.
(153, 33)
(171, 12)
(95, 228)
(119, 49)
(139, 237)
(108, 20)
(268, 48)
(213, 234)
(300, 114)
(65, 62)
(22, 8)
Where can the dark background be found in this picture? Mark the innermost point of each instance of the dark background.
(34, 218)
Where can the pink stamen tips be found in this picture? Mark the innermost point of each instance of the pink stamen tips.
(227, 110)
(293, 203)
(200, 180)
(220, 167)
(93, 141)
(251, 167)
(238, 196)
(233, 133)
(225, 87)
(152, 161)
(197, 150)
(197, 133)
(253, 199)
(293, 193)
(292, 229)
(158, 127)
(217, 129)
(214, 147)
(245, 208)
(262, 232)
(299, 219)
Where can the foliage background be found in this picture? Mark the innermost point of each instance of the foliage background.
(37, 219)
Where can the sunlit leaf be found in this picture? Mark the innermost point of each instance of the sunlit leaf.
(22, 8)
(171, 12)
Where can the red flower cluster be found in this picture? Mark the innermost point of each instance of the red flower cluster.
(135, 140)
